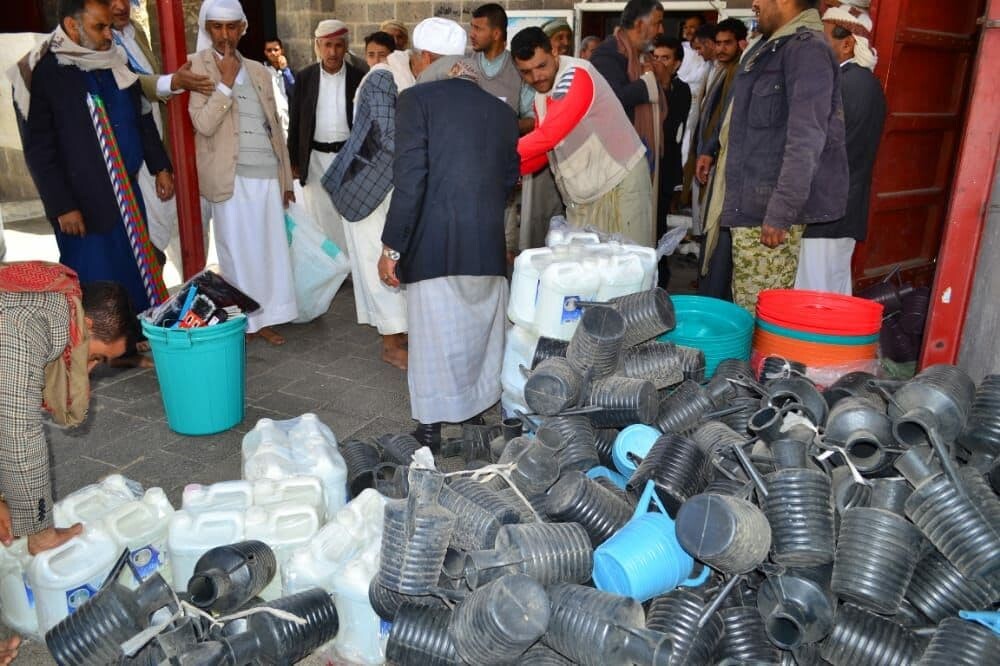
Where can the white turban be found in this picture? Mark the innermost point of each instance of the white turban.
(218, 10)
(863, 4)
(441, 36)
(859, 24)
(331, 28)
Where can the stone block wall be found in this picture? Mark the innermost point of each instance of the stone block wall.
(364, 17)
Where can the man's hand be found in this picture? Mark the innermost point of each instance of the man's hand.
(229, 67)
(6, 533)
(703, 167)
(288, 198)
(660, 72)
(296, 174)
(71, 223)
(51, 537)
(8, 649)
(185, 79)
(164, 185)
(387, 271)
(282, 62)
(772, 237)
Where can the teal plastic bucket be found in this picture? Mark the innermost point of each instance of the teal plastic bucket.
(718, 328)
(202, 375)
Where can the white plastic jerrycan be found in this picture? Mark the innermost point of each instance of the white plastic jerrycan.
(647, 257)
(191, 535)
(352, 529)
(92, 502)
(563, 287)
(306, 490)
(285, 528)
(519, 351)
(528, 267)
(17, 600)
(621, 274)
(221, 496)
(301, 446)
(361, 638)
(65, 577)
(141, 526)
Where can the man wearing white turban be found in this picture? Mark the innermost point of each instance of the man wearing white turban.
(243, 167)
(826, 250)
(320, 118)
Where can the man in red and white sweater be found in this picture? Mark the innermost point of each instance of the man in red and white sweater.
(583, 133)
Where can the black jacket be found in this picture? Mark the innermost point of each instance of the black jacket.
(864, 116)
(302, 113)
(613, 66)
(455, 164)
(62, 150)
(786, 162)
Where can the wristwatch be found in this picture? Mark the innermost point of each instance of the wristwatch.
(389, 253)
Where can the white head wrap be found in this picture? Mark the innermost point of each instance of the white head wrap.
(331, 28)
(441, 36)
(862, 4)
(859, 24)
(218, 10)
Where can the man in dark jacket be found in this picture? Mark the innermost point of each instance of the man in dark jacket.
(782, 158)
(825, 257)
(320, 117)
(65, 156)
(670, 52)
(455, 164)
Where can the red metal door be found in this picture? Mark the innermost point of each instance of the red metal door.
(926, 50)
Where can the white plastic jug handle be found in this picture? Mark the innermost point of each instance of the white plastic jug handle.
(286, 513)
(44, 560)
(208, 519)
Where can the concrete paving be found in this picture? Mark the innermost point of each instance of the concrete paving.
(330, 366)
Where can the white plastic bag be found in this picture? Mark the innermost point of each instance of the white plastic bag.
(318, 265)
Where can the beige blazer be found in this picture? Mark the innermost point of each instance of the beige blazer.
(216, 123)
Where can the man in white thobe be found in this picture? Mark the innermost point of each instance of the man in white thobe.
(320, 118)
(161, 210)
(243, 168)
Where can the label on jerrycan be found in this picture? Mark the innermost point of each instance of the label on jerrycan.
(146, 560)
(571, 309)
(79, 595)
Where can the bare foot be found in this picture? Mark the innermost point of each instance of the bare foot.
(394, 350)
(8, 649)
(51, 537)
(271, 336)
(142, 347)
(395, 357)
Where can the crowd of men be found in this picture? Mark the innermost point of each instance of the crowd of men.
(430, 160)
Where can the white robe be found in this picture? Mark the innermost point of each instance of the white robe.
(457, 330)
(825, 265)
(253, 248)
(377, 305)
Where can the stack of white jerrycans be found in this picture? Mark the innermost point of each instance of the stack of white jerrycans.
(38, 592)
(549, 289)
(292, 502)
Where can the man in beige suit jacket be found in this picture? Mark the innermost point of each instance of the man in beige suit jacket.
(243, 168)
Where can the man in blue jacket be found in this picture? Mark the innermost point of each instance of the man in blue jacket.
(455, 164)
(783, 160)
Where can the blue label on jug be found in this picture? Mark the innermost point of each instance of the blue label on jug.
(78, 596)
(29, 594)
(571, 309)
(383, 629)
(145, 562)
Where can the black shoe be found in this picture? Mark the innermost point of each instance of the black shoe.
(429, 435)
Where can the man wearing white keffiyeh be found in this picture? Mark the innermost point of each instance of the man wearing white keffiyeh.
(826, 249)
